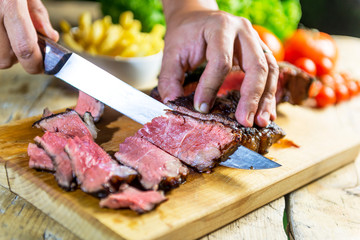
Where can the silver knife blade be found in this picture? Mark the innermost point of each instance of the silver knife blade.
(110, 90)
(96, 82)
(244, 158)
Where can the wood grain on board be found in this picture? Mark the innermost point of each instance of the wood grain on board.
(206, 201)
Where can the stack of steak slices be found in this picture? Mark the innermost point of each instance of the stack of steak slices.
(68, 150)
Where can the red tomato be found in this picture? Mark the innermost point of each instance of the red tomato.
(325, 97)
(232, 81)
(318, 46)
(328, 80)
(272, 41)
(352, 87)
(341, 92)
(307, 65)
(315, 88)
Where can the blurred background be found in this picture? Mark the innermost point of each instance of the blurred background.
(338, 17)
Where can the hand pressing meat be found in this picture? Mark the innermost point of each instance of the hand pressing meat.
(198, 31)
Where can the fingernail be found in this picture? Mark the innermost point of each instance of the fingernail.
(204, 108)
(166, 100)
(250, 118)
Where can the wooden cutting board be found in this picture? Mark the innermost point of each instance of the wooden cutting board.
(328, 139)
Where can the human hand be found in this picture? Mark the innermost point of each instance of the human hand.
(224, 41)
(19, 22)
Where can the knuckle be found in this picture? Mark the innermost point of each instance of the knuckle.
(24, 50)
(245, 23)
(223, 65)
(223, 18)
(261, 66)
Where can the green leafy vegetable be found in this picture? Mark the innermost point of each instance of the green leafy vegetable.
(149, 12)
(279, 16)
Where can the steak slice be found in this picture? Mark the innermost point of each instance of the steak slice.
(53, 143)
(156, 167)
(130, 197)
(256, 138)
(68, 123)
(95, 170)
(89, 104)
(293, 84)
(39, 159)
(200, 144)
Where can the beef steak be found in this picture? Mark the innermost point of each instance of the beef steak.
(68, 123)
(94, 169)
(89, 104)
(39, 159)
(200, 144)
(130, 197)
(156, 167)
(53, 143)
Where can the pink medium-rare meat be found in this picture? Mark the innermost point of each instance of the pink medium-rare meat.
(200, 144)
(94, 169)
(39, 159)
(129, 197)
(156, 167)
(105, 178)
(68, 123)
(54, 143)
(89, 104)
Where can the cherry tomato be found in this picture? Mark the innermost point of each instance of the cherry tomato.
(352, 87)
(318, 46)
(341, 92)
(325, 97)
(272, 41)
(328, 80)
(315, 88)
(307, 65)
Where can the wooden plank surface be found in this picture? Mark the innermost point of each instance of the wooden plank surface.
(33, 224)
(216, 199)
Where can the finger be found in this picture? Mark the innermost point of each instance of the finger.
(7, 56)
(254, 64)
(171, 76)
(267, 106)
(219, 54)
(40, 19)
(22, 36)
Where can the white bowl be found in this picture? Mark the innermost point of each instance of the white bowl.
(139, 72)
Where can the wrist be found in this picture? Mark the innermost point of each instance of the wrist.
(175, 7)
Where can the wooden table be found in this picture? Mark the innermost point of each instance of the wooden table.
(325, 209)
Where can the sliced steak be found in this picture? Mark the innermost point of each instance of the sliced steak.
(255, 138)
(95, 170)
(89, 104)
(200, 144)
(156, 167)
(293, 84)
(129, 197)
(68, 123)
(39, 159)
(53, 143)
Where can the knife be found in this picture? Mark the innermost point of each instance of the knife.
(96, 82)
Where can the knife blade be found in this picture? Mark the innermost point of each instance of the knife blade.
(96, 82)
(244, 158)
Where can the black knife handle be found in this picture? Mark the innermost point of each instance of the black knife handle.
(55, 56)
